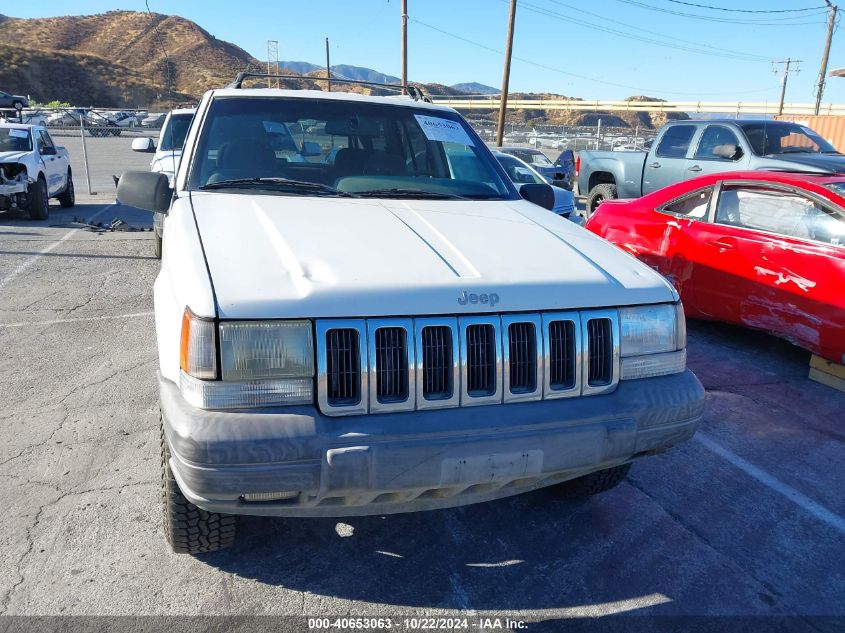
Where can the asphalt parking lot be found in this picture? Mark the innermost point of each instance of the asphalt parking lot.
(744, 520)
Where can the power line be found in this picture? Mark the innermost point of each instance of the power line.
(705, 49)
(575, 75)
(706, 6)
(786, 21)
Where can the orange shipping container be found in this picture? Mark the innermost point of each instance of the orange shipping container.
(830, 127)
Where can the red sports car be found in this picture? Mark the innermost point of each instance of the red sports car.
(762, 249)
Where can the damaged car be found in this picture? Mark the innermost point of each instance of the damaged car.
(403, 329)
(761, 249)
(33, 170)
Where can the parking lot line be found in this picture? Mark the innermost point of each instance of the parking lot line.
(132, 315)
(27, 263)
(814, 508)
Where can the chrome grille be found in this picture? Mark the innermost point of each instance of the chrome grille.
(437, 371)
(391, 364)
(343, 366)
(562, 355)
(599, 344)
(481, 360)
(523, 357)
(401, 364)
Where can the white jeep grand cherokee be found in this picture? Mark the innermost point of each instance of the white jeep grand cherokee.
(358, 313)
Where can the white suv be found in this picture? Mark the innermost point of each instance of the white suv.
(396, 331)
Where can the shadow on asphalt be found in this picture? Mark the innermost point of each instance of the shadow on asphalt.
(490, 556)
(107, 211)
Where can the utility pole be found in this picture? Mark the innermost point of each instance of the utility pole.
(328, 66)
(272, 58)
(404, 42)
(831, 23)
(787, 69)
(503, 99)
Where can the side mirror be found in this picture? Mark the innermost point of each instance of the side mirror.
(310, 148)
(48, 151)
(145, 190)
(146, 145)
(542, 195)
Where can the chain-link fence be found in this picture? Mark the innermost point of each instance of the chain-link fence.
(98, 140)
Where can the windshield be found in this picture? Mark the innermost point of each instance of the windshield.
(518, 171)
(782, 137)
(15, 140)
(334, 147)
(538, 159)
(173, 134)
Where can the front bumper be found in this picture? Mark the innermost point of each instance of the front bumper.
(421, 460)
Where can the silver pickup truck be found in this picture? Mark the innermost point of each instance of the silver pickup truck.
(685, 149)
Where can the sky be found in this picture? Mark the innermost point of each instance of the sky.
(593, 49)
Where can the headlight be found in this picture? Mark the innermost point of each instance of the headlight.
(652, 341)
(263, 363)
(251, 350)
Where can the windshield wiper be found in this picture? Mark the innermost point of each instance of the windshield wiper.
(798, 150)
(277, 183)
(399, 192)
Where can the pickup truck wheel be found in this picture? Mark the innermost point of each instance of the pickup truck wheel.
(17, 105)
(68, 197)
(39, 202)
(594, 483)
(190, 529)
(599, 194)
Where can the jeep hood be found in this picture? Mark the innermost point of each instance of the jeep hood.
(286, 257)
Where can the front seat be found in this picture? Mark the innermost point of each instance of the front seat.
(245, 158)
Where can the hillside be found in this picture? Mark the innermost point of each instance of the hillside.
(132, 44)
(76, 78)
(475, 88)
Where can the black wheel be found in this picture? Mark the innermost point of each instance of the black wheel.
(17, 105)
(156, 245)
(39, 202)
(598, 194)
(68, 197)
(190, 529)
(594, 483)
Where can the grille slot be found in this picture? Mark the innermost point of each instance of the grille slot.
(600, 346)
(437, 366)
(391, 364)
(343, 367)
(522, 339)
(561, 355)
(481, 360)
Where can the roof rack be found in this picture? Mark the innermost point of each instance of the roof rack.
(415, 93)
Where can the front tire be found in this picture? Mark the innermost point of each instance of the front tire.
(68, 197)
(598, 194)
(190, 529)
(594, 483)
(39, 201)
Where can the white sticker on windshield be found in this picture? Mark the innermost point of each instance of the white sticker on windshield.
(18, 133)
(444, 130)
